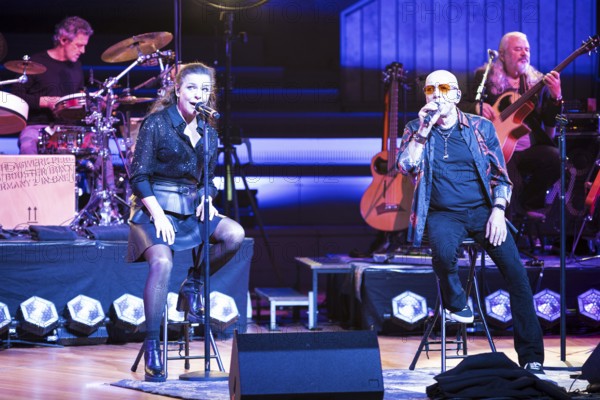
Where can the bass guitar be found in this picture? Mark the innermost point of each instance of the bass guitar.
(386, 203)
(511, 110)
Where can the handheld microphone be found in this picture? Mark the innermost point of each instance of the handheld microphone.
(430, 114)
(206, 110)
(493, 54)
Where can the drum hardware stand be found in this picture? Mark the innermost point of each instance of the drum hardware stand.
(23, 78)
(101, 209)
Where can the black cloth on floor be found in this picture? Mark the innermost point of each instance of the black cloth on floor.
(51, 232)
(492, 375)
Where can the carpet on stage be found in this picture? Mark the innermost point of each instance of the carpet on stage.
(398, 384)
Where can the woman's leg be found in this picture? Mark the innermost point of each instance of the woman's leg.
(226, 240)
(160, 260)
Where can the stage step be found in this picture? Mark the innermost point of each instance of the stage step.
(280, 297)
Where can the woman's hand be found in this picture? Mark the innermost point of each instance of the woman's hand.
(164, 228)
(212, 211)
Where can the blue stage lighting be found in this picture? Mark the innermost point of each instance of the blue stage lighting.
(589, 306)
(38, 316)
(547, 306)
(84, 314)
(497, 307)
(5, 318)
(408, 308)
(129, 313)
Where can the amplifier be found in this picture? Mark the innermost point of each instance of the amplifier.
(583, 122)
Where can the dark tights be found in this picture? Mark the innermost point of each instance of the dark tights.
(226, 240)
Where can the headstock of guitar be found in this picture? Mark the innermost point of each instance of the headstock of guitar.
(591, 44)
(394, 72)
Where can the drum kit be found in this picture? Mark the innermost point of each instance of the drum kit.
(91, 121)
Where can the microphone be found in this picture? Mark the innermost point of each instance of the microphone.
(430, 114)
(206, 110)
(493, 54)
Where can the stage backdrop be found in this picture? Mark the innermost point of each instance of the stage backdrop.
(60, 271)
(425, 35)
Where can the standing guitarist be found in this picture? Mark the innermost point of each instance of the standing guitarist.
(535, 163)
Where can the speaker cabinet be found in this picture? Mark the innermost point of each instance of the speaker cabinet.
(590, 370)
(313, 365)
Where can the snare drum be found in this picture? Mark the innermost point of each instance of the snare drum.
(75, 107)
(65, 139)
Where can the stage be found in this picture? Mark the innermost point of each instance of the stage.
(360, 291)
(58, 271)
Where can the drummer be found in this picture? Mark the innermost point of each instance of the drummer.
(63, 76)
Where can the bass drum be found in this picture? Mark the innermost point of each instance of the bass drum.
(66, 139)
(13, 113)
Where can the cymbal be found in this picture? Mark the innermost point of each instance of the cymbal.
(22, 66)
(128, 100)
(131, 48)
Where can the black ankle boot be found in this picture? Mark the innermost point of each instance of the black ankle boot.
(190, 298)
(154, 371)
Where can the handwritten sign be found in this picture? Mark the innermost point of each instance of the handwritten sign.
(36, 190)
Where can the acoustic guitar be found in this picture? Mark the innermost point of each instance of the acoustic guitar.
(512, 109)
(386, 203)
(592, 197)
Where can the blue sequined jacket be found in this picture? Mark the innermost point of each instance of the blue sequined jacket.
(480, 136)
(163, 151)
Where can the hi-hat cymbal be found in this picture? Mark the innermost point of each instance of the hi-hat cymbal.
(135, 46)
(128, 100)
(25, 66)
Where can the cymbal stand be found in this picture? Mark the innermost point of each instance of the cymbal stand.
(22, 79)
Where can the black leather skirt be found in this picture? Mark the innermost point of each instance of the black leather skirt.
(179, 201)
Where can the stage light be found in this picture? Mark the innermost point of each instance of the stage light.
(172, 313)
(408, 308)
(497, 307)
(83, 324)
(5, 318)
(38, 316)
(547, 306)
(223, 311)
(589, 306)
(84, 314)
(128, 313)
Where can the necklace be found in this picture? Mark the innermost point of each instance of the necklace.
(445, 134)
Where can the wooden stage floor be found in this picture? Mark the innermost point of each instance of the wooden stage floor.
(84, 372)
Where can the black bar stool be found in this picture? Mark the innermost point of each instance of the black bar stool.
(183, 345)
(440, 312)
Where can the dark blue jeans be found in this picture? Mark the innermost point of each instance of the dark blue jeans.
(447, 230)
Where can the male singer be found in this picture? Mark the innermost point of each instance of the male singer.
(462, 189)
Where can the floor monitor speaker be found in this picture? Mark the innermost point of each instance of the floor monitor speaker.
(312, 365)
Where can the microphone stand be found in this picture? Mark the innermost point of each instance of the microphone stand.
(561, 121)
(481, 89)
(207, 374)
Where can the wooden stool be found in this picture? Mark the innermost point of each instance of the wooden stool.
(440, 312)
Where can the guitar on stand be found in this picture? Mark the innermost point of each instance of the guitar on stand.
(512, 109)
(386, 203)
(591, 201)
